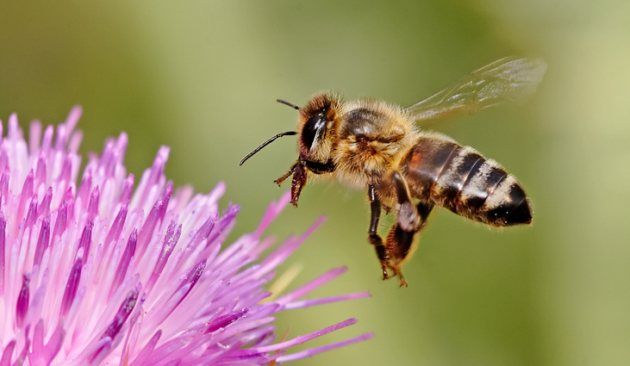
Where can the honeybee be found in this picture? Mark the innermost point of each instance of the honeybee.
(377, 146)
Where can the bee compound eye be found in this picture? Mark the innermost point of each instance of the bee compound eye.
(313, 129)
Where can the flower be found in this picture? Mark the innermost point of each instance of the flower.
(102, 273)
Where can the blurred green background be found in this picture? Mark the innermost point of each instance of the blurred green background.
(202, 76)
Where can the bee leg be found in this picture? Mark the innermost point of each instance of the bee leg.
(286, 175)
(408, 217)
(424, 209)
(399, 241)
(298, 170)
(409, 221)
(298, 182)
(373, 237)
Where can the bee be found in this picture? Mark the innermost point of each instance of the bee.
(378, 146)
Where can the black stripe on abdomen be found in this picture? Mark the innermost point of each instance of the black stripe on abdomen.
(447, 188)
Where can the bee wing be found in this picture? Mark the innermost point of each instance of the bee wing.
(507, 79)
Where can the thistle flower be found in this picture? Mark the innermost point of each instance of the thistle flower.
(101, 273)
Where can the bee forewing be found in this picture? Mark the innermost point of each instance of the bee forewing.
(508, 79)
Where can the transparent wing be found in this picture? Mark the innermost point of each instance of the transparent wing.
(508, 79)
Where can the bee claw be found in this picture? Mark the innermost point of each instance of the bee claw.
(398, 273)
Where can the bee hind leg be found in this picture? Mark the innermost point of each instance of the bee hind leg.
(398, 243)
(410, 220)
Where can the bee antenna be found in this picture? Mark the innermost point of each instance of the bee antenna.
(261, 146)
(282, 101)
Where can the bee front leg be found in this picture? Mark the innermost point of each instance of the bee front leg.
(286, 175)
(298, 182)
(373, 237)
(298, 170)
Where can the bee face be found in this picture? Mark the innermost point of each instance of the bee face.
(317, 126)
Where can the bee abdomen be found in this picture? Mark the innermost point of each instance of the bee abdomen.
(462, 180)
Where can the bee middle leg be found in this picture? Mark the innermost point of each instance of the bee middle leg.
(373, 237)
(410, 220)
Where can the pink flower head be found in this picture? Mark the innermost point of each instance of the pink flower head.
(99, 272)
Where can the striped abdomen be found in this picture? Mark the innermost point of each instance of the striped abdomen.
(459, 178)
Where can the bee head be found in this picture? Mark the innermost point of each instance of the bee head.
(316, 127)
(317, 139)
